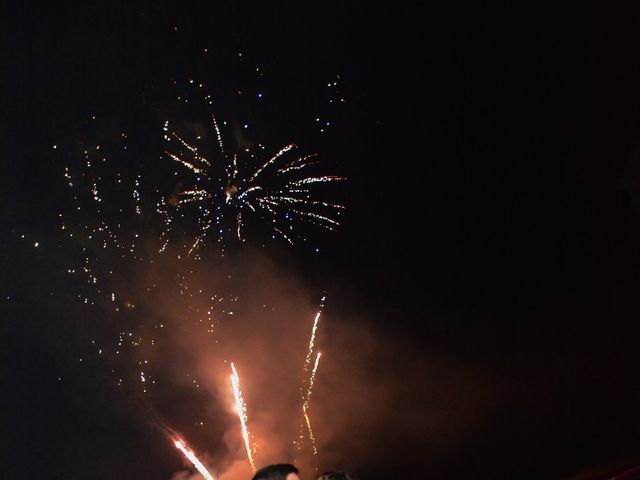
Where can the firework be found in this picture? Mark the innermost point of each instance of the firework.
(310, 430)
(229, 191)
(241, 409)
(305, 395)
(312, 379)
(305, 405)
(115, 261)
(120, 226)
(105, 223)
(312, 341)
(180, 445)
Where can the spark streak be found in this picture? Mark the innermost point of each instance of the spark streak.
(215, 125)
(190, 166)
(241, 409)
(193, 459)
(281, 152)
(305, 405)
(312, 379)
(312, 341)
(311, 436)
(306, 181)
(306, 396)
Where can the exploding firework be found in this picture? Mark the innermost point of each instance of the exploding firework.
(241, 409)
(232, 189)
(121, 225)
(180, 445)
(104, 223)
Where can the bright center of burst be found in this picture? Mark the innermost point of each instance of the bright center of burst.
(230, 191)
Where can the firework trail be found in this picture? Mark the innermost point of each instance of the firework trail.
(143, 405)
(312, 342)
(241, 409)
(310, 430)
(305, 396)
(180, 445)
(312, 379)
(305, 405)
(278, 192)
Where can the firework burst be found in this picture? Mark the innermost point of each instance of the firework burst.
(120, 225)
(234, 188)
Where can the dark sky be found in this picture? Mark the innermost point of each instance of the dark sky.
(494, 195)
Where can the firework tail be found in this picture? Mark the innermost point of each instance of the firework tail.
(180, 445)
(241, 409)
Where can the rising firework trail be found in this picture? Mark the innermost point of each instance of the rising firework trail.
(305, 405)
(310, 430)
(312, 343)
(180, 445)
(307, 381)
(241, 409)
(312, 379)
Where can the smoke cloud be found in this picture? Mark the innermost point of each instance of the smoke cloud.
(376, 394)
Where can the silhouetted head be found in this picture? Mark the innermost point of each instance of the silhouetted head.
(335, 476)
(280, 471)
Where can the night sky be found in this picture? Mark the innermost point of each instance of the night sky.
(490, 252)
